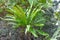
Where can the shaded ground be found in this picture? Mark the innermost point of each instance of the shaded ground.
(8, 33)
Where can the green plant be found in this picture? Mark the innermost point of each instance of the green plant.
(57, 15)
(30, 19)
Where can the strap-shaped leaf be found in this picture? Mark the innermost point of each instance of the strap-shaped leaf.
(27, 29)
(29, 10)
(33, 31)
(18, 13)
(34, 13)
(22, 14)
(34, 1)
(39, 24)
(42, 1)
(43, 33)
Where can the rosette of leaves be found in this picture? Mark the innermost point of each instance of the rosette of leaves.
(32, 19)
